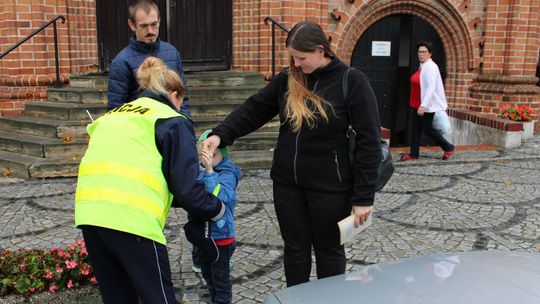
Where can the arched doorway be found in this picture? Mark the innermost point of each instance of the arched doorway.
(386, 53)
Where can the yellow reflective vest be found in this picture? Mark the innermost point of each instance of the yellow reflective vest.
(121, 185)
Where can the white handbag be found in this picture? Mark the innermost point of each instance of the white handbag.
(441, 122)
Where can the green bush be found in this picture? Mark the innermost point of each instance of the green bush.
(26, 272)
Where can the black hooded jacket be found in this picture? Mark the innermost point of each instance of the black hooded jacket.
(317, 158)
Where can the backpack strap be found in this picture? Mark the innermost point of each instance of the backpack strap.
(346, 92)
(350, 130)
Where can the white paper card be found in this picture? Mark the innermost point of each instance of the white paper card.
(347, 230)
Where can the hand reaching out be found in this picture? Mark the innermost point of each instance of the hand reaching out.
(210, 144)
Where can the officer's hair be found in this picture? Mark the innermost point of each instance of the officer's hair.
(144, 5)
(153, 75)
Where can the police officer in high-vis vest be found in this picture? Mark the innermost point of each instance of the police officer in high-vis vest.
(141, 161)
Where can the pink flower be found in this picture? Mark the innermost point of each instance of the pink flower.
(59, 270)
(71, 265)
(85, 269)
(70, 284)
(48, 274)
(53, 288)
(505, 114)
(93, 280)
(31, 289)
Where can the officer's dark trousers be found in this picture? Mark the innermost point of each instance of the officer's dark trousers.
(309, 218)
(129, 267)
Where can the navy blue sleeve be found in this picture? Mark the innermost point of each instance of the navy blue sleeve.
(118, 88)
(175, 140)
(184, 109)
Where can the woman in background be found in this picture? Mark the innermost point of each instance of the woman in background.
(427, 97)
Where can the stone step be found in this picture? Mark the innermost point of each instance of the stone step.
(198, 79)
(222, 93)
(201, 108)
(253, 159)
(54, 167)
(223, 78)
(44, 127)
(50, 138)
(15, 165)
(64, 111)
(23, 166)
(256, 141)
(202, 124)
(77, 95)
(99, 82)
(41, 147)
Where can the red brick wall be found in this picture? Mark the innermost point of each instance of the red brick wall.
(252, 38)
(27, 70)
(491, 45)
(510, 47)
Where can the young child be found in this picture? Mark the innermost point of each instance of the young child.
(220, 176)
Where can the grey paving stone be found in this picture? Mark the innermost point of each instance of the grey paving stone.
(478, 200)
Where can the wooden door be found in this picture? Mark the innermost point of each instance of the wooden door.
(202, 31)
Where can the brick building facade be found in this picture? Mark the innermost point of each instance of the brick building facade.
(491, 46)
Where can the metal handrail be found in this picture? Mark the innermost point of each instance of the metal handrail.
(274, 23)
(53, 21)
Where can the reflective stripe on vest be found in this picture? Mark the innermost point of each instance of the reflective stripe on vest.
(120, 184)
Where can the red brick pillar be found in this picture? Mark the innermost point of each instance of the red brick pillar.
(29, 69)
(509, 55)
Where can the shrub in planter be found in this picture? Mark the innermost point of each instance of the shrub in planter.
(516, 112)
(26, 272)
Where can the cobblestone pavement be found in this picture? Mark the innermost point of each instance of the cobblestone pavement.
(478, 200)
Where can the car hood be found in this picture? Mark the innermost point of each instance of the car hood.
(457, 278)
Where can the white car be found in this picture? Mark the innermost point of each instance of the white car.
(492, 277)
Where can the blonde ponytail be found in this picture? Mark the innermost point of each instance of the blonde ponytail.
(153, 75)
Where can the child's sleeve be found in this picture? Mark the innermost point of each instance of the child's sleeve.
(223, 185)
(211, 182)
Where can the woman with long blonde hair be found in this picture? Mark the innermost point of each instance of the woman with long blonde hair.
(315, 185)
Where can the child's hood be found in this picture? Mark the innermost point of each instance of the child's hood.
(227, 165)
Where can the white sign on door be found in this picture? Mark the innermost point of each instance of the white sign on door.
(380, 48)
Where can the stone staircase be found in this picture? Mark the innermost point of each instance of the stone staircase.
(50, 138)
